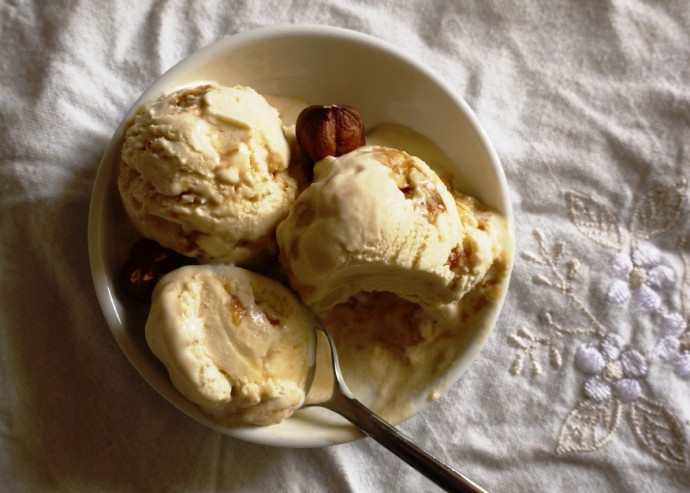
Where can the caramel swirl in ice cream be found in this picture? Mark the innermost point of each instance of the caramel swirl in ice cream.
(205, 172)
(237, 344)
(379, 219)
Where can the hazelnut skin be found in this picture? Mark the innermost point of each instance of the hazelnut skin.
(147, 263)
(331, 130)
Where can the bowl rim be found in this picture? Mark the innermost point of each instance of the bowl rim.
(105, 285)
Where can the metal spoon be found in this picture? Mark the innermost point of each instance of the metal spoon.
(340, 400)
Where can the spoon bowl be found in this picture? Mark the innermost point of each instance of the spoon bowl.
(338, 398)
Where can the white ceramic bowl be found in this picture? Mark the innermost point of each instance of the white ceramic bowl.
(320, 64)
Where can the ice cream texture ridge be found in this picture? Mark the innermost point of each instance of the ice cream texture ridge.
(399, 265)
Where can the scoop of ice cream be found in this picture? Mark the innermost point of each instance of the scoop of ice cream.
(238, 344)
(204, 172)
(379, 219)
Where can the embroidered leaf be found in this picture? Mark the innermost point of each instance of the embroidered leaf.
(542, 280)
(532, 257)
(657, 210)
(658, 431)
(517, 342)
(524, 339)
(536, 366)
(558, 250)
(547, 318)
(573, 269)
(539, 235)
(555, 357)
(527, 334)
(589, 426)
(685, 287)
(594, 220)
(516, 367)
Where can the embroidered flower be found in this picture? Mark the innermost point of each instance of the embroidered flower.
(612, 390)
(674, 344)
(639, 277)
(614, 370)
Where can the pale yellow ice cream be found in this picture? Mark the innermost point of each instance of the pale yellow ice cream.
(205, 172)
(403, 270)
(239, 345)
(378, 219)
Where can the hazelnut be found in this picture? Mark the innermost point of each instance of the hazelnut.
(147, 263)
(331, 130)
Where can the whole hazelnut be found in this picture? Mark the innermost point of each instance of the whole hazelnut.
(331, 130)
(146, 264)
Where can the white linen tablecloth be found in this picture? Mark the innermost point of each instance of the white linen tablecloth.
(584, 385)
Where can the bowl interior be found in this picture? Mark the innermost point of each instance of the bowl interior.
(321, 65)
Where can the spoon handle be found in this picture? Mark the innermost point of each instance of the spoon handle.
(440, 473)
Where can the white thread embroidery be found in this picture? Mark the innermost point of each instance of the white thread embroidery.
(673, 345)
(638, 277)
(613, 369)
(616, 382)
